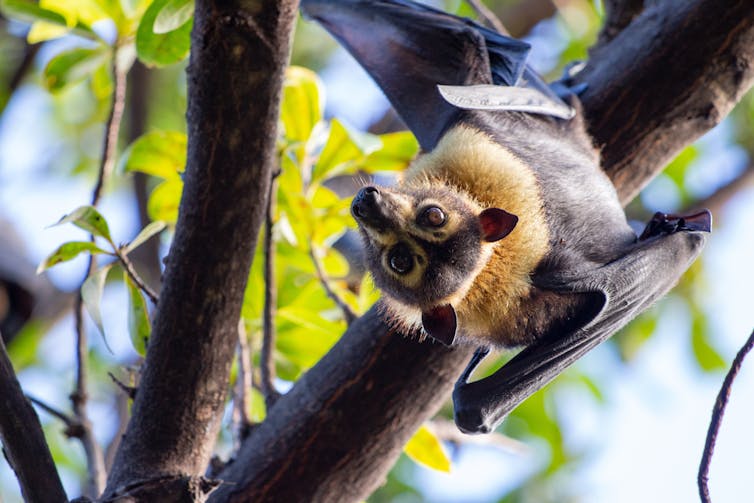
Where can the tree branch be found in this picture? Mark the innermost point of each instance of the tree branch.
(239, 51)
(23, 441)
(348, 313)
(671, 75)
(241, 419)
(266, 360)
(374, 388)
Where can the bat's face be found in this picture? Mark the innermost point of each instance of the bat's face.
(424, 245)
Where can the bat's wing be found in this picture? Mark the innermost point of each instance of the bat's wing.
(409, 49)
(610, 296)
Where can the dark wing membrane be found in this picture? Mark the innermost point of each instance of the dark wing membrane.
(410, 48)
(614, 294)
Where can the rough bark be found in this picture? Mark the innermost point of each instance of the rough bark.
(672, 74)
(24, 444)
(335, 435)
(239, 51)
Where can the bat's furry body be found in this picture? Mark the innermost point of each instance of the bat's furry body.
(491, 307)
(561, 278)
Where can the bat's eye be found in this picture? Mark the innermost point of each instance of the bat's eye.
(432, 217)
(400, 259)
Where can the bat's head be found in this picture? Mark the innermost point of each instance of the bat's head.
(425, 245)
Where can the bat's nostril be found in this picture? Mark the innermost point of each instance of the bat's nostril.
(370, 190)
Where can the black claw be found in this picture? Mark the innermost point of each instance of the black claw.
(663, 223)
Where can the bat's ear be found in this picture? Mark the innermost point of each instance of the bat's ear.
(440, 322)
(496, 224)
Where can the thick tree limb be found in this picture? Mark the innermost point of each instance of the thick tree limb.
(24, 444)
(672, 74)
(239, 52)
(335, 435)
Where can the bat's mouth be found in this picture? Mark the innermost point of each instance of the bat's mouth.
(663, 223)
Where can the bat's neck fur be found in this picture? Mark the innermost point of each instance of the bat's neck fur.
(469, 161)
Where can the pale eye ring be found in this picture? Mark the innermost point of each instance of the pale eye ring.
(433, 216)
(401, 259)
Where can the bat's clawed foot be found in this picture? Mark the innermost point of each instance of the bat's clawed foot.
(663, 224)
(471, 421)
(469, 399)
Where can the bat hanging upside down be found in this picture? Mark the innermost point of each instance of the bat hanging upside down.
(504, 231)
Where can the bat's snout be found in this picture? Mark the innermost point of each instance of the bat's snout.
(367, 206)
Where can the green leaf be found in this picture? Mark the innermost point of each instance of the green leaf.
(70, 67)
(91, 294)
(161, 49)
(257, 410)
(173, 15)
(146, 233)
(676, 170)
(68, 251)
(302, 349)
(632, 338)
(398, 150)
(302, 105)
(426, 449)
(30, 12)
(310, 320)
(158, 153)
(139, 327)
(42, 31)
(89, 219)
(164, 201)
(368, 294)
(343, 150)
(334, 264)
(24, 347)
(706, 355)
(102, 82)
(53, 18)
(81, 11)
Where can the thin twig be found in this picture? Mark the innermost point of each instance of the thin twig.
(30, 52)
(129, 268)
(112, 129)
(266, 363)
(487, 16)
(130, 391)
(717, 418)
(348, 313)
(23, 441)
(241, 419)
(94, 455)
(68, 420)
(124, 413)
